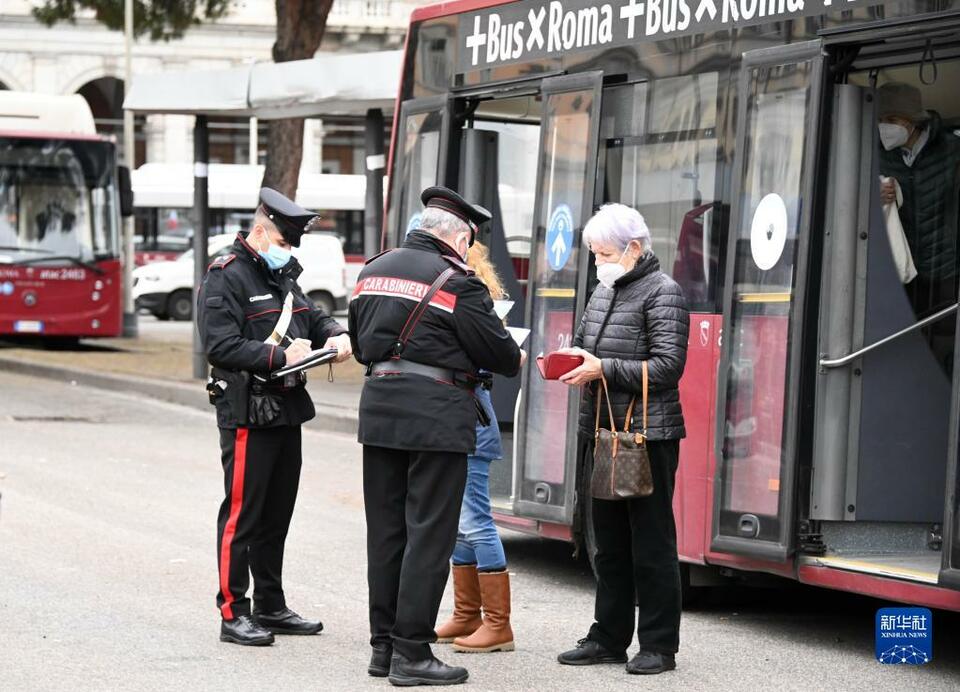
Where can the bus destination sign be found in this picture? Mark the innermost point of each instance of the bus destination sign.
(536, 29)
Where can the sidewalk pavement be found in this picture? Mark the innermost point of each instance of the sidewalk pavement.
(162, 370)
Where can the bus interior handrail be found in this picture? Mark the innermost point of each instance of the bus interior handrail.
(849, 358)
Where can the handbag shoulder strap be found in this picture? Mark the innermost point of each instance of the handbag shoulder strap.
(646, 386)
(601, 391)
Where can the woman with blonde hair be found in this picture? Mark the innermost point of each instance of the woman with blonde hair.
(481, 584)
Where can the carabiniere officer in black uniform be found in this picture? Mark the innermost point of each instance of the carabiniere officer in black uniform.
(423, 344)
(251, 328)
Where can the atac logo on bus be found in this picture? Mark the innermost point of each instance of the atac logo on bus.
(904, 636)
(413, 224)
(559, 238)
(538, 28)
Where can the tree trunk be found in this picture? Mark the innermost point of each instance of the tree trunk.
(300, 27)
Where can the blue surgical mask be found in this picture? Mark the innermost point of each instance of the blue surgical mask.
(276, 257)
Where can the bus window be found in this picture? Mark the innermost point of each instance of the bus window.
(660, 155)
(518, 131)
(418, 143)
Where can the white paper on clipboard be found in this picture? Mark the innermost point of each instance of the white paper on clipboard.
(519, 334)
(502, 307)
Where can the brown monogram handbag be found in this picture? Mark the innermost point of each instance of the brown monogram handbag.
(621, 465)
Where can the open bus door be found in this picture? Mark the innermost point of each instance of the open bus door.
(950, 559)
(758, 386)
(422, 157)
(545, 481)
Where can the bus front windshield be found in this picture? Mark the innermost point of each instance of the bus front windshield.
(57, 200)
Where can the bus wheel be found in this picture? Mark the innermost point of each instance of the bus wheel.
(180, 305)
(323, 300)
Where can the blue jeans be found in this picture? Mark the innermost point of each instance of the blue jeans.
(477, 539)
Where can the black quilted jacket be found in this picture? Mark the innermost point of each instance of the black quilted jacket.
(643, 317)
(930, 191)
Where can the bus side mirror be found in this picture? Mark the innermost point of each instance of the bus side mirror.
(126, 191)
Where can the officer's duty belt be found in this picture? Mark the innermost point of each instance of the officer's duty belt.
(398, 366)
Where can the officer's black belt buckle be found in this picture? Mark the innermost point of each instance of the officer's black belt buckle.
(400, 366)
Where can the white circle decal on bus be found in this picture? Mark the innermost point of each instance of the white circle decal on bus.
(768, 232)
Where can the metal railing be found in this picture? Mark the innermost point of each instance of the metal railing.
(849, 358)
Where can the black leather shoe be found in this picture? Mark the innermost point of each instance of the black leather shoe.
(430, 671)
(380, 661)
(651, 663)
(589, 652)
(245, 631)
(287, 622)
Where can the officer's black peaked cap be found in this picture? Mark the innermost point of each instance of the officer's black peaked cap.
(290, 218)
(448, 200)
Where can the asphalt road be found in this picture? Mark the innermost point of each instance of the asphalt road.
(107, 577)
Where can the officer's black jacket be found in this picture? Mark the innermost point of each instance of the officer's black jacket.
(459, 331)
(238, 305)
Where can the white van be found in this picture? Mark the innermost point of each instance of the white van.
(164, 288)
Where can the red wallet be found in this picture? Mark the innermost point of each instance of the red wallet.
(553, 365)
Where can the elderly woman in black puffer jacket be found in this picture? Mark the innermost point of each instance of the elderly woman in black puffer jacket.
(636, 314)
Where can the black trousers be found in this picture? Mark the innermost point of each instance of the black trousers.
(261, 473)
(637, 558)
(412, 502)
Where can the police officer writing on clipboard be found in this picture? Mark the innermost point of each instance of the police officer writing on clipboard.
(254, 320)
(424, 325)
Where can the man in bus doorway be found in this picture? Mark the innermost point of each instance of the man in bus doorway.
(921, 157)
(253, 320)
(424, 325)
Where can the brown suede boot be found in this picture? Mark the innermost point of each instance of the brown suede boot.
(496, 633)
(466, 605)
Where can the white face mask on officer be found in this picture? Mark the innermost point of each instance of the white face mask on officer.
(609, 271)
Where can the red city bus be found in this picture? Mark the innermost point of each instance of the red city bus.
(60, 269)
(821, 411)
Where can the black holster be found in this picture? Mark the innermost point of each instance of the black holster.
(236, 394)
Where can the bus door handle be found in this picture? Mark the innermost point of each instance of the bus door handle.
(849, 358)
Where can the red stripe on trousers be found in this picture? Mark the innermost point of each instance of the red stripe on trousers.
(236, 501)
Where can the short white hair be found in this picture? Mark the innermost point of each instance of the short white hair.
(617, 225)
(442, 223)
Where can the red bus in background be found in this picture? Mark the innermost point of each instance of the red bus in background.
(822, 410)
(60, 203)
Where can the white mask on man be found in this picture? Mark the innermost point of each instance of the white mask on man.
(893, 135)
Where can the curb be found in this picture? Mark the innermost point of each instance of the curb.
(330, 417)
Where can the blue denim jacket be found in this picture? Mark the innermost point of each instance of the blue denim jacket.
(489, 445)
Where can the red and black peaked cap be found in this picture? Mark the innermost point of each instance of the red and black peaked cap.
(448, 200)
(290, 218)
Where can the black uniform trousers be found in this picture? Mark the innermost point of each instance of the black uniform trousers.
(261, 473)
(637, 559)
(412, 502)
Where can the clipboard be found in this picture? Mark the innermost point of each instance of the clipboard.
(313, 359)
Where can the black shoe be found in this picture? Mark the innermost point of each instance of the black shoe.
(287, 622)
(245, 631)
(651, 663)
(430, 671)
(589, 652)
(380, 661)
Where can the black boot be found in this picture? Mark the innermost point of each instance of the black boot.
(589, 652)
(651, 663)
(405, 672)
(380, 661)
(287, 622)
(245, 631)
